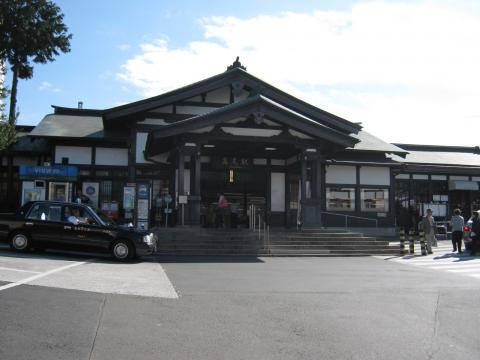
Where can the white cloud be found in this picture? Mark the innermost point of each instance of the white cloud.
(408, 71)
(123, 47)
(46, 86)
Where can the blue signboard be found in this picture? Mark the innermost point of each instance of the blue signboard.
(143, 190)
(55, 172)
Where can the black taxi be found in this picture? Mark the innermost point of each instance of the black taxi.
(72, 226)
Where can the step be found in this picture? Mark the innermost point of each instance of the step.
(330, 247)
(318, 241)
(323, 235)
(347, 238)
(307, 252)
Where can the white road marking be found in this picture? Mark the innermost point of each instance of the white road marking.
(443, 259)
(41, 275)
(141, 279)
(20, 270)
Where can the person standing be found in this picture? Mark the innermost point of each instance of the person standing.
(457, 223)
(81, 198)
(222, 207)
(475, 233)
(428, 227)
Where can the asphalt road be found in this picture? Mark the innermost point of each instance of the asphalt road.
(268, 308)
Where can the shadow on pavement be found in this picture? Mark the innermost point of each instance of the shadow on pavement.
(65, 255)
(205, 259)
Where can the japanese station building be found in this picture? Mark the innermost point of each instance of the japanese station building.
(236, 134)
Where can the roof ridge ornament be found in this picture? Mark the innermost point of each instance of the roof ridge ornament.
(236, 64)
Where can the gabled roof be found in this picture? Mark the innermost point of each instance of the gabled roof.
(246, 107)
(235, 74)
(368, 142)
(71, 126)
(441, 155)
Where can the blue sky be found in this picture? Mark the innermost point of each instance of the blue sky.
(398, 62)
(99, 28)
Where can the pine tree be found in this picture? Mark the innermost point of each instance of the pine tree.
(7, 130)
(31, 31)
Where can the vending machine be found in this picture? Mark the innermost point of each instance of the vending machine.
(33, 191)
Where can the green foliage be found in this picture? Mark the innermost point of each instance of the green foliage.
(7, 131)
(30, 31)
(7, 134)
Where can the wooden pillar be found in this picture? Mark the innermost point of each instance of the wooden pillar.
(195, 199)
(303, 186)
(132, 154)
(181, 186)
(268, 195)
(287, 197)
(319, 188)
(197, 169)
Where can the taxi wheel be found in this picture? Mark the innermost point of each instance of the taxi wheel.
(20, 242)
(123, 250)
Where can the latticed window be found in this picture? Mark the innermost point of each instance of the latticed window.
(341, 199)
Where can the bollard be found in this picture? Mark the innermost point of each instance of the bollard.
(422, 243)
(402, 242)
(411, 239)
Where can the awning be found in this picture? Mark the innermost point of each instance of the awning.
(463, 185)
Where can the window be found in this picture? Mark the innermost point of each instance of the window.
(341, 199)
(374, 200)
(45, 212)
(77, 215)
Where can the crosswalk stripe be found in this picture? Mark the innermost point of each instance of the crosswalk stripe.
(443, 259)
(471, 271)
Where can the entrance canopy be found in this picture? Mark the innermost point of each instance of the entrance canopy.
(257, 122)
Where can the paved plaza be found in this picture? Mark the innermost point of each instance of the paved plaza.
(81, 306)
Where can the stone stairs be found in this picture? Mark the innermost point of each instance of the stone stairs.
(208, 242)
(328, 242)
(282, 242)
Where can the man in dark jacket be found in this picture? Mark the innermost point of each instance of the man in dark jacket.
(475, 233)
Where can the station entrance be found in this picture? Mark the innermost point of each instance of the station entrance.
(241, 188)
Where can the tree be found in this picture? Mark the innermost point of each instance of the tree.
(30, 31)
(7, 130)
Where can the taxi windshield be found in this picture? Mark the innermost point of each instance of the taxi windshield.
(101, 217)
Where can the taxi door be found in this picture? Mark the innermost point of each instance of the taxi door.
(87, 234)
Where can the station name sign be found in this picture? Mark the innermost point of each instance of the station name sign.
(55, 172)
(231, 162)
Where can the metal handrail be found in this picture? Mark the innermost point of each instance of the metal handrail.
(257, 222)
(350, 216)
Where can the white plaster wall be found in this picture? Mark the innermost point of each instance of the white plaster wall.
(25, 160)
(197, 98)
(456, 177)
(259, 161)
(140, 148)
(373, 175)
(164, 109)
(277, 191)
(340, 174)
(186, 181)
(111, 156)
(221, 96)
(77, 155)
(149, 121)
(194, 110)
(278, 162)
(419, 177)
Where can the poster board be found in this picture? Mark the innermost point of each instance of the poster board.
(143, 205)
(90, 189)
